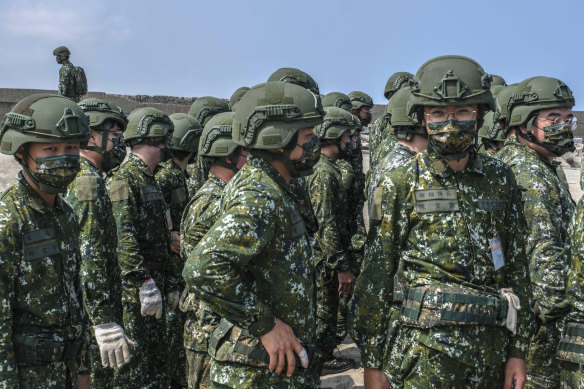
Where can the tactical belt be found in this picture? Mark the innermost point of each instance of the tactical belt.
(571, 346)
(440, 305)
(33, 350)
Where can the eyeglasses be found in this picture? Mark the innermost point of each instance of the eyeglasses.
(573, 121)
(460, 114)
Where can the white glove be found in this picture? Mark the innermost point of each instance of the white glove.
(113, 344)
(514, 306)
(303, 355)
(172, 299)
(150, 299)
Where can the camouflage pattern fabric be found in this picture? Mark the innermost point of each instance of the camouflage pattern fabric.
(200, 214)
(378, 133)
(330, 248)
(254, 266)
(571, 375)
(172, 182)
(40, 290)
(143, 253)
(100, 273)
(383, 149)
(440, 225)
(547, 206)
(396, 157)
(198, 173)
(67, 81)
(299, 189)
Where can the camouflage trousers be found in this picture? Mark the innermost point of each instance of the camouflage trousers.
(234, 375)
(59, 375)
(100, 377)
(327, 304)
(148, 367)
(543, 369)
(571, 375)
(175, 321)
(344, 302)
(417, 366)
(198, 369)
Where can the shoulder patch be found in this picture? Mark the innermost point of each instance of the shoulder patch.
(119, 190)
(375, 214)
(347, 179)
(86, 188)
(178, 196)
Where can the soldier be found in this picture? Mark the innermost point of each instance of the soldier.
(43, 327)
(147, 269)
(225, 158)
(331, 245)
(253, 267)
(540, 129)
(100, 273)
(451, 230)
(203, 109)
(172, 181)
(236, 96)
(67, 84)
(380, 131)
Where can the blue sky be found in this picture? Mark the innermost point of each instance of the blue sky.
(196, 48)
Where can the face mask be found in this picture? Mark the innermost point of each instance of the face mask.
(54, 174)
(558, 139)
(165, 154)
(365, 122)
(310, 156)
(114, 157)
(451, 139)
(348, 152)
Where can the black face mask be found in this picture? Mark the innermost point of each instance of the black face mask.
(114, 157)
(348, 152)
(310, 156)
(365, 122)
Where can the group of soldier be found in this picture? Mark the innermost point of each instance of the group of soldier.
(228, 248)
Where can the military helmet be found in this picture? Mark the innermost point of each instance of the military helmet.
(205, 107)
(295, 76)
(398, 109)
(360, 99)
(535, 94)
(270, 114)
(147, 122)
(497, 80)
(502, 100)
(336, 122)
(186, 134)
(43, 118)
(337, 99)
(100, 110)
(236, 96)
(217, 139)
(395, 82)
(491, 129)
(450, 80)
(61, 50)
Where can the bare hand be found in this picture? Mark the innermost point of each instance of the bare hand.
(281, 344)
(375, 379)
(346, 282)
(175, 242)
(515, 372)
(83, 381)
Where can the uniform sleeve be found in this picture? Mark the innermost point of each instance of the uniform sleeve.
(216, 268)
(10, 249)
(199, 219)
(373, 295)
(575, 270)
(322, 190)
(125, 209)
(545, 247)
(63, 80)
(92, 242)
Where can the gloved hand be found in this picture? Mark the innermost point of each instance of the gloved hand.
(514, 306)
(172, 299)
(113, 344)
(150, 299)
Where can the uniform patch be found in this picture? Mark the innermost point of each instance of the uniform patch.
(436, 200)
(86, 188)
(119, 190)
(178, 195)
(492, 204)
(347, 179)
(375, 214)
(40, 243)
(298, 228)
(151, 193)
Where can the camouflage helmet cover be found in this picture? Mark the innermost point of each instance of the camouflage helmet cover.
(395, 82)
(295, 76)
(360, 99)
(100, 110)
(337, 99)
(186, 134)
(205, 107)
(43, 118)
(336, 122)
(61, 50)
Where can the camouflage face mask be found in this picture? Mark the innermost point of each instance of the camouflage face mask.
(558, 139)
(451, 139)
(54, 174)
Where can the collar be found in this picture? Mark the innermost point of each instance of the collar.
(513, 141)
(141, 164)
(271, 171)
(31, 197)
(218, 181)
(405, 149)
(438, 167)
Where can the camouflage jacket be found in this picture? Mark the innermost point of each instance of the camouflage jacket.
(329, 202)
(172, 182)
(548, 207)
(299, 189)
(398, 156)
(200, 214)
(198, 173)
(67, 81)
(143, 231)
(440, 224)
(100, 273)
(380, 131)
(254, 264)
(40, 290)
(575, 270)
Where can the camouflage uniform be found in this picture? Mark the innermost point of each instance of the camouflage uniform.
(330, 247)
(198, 173)
(380, 136)
(143, 253)
(40, 291)
(100, 273)
(261, 270)
(172, 182)
(67, 81)
(200, 214)
(299, 189)
(547, 206)
(436, 224)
